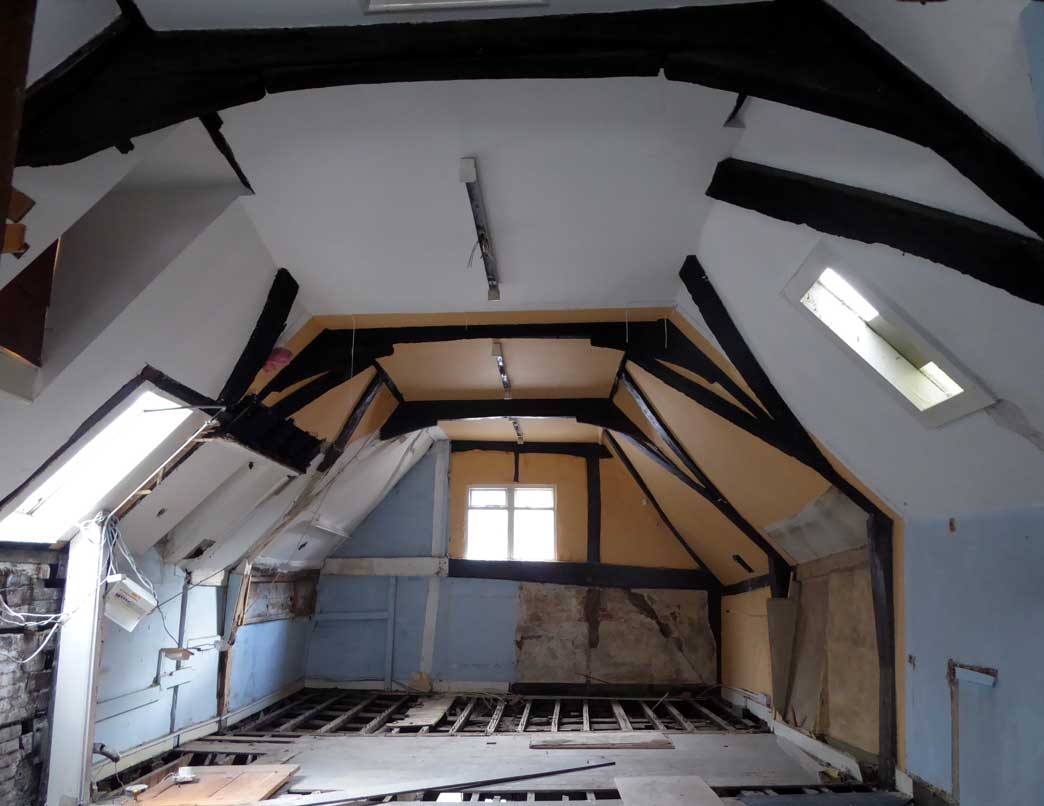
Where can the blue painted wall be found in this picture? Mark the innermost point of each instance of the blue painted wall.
(976, 595)
(401, 525)
(475, 630)
(267, 657)
(1033, 33)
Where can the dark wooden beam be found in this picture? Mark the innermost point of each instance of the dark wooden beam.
(414, 415)
(212, 123)
(747, 585)
(779, 569)
(879, 545)
(594, 509)
(990, 254)
(797, 52)
(600, 575)
(619, 452)
(392, 387)
(16, 36)
(881, 527)
(336, 449)
(270, 324)
(581, 449)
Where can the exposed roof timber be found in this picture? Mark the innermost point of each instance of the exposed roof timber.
(388, 382)
(594, 574)
(988, 253)
(16, 36)
(417, 414)
(879, 524)
(333, 453)
(582, 449)
(661, 339)
(656, 504)
(212, 123)
(270, 323)
(801, 53)
(779, 568)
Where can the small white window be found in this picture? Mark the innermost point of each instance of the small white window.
(512, 522)
(887, 341)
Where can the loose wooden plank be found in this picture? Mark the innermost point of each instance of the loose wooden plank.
(675, 790)
(429, 711)
(345, 796)
(604, 740)
(221, 785)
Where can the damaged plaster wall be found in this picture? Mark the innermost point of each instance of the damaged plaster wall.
(834, 678)
(568, 634)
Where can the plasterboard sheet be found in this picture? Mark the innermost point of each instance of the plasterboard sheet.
(380, 762)
(673, 790)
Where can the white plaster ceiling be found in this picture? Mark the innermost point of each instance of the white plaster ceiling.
(594, 189)
(174, 14)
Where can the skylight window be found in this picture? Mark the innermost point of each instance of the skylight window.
(78, 487)
(511, 523)
(886, 341)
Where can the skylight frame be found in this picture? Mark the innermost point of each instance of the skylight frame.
(19, 527)
(904, 336)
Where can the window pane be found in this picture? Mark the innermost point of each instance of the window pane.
(487, 534)
(489, 497)
(534, 498)
(534, 534)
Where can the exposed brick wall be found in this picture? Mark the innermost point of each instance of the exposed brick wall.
(32, 580)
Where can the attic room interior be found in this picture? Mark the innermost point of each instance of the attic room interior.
(633, 401)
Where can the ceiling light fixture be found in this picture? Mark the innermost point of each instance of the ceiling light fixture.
(484, 239)
(392, 6)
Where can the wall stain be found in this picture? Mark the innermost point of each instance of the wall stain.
(592, 614)
(641, 604)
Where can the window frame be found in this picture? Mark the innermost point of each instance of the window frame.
(974, 396)
(510, 488)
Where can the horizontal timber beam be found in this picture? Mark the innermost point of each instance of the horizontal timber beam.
(581, 449)
(598, 575)
(130, 80)
(990, 254)
(414, 415)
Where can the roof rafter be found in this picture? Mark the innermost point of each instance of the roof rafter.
(798, 52)
(990, 254)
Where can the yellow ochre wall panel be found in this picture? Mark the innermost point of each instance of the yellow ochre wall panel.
(745, 659)
(632, 533)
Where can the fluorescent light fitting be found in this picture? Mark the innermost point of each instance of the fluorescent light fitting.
(840, 288)
(390, 6)
(79, 485)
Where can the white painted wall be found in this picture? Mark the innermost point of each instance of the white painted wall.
(164, 14)
(190, 322)
(62, 26)
(972, 51)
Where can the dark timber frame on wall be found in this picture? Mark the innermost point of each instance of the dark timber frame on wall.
(879, 525)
